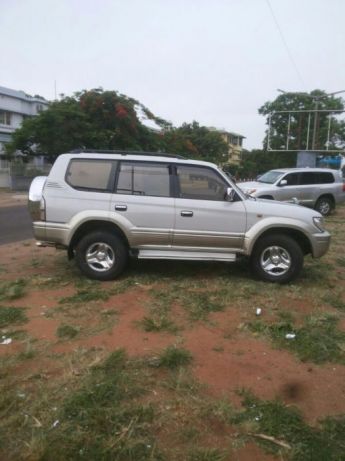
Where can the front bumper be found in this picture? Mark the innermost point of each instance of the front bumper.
(320, 243)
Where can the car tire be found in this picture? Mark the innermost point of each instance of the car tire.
(277, 258)
(101, 255)
(324, 206)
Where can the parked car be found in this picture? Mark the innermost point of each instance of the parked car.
(105, 207)
(317, 188)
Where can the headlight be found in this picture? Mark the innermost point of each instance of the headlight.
(319, 223)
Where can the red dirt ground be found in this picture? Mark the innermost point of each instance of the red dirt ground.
(226, 358)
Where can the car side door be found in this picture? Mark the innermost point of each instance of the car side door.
(204, 219)
(287, 187)
(143, 204)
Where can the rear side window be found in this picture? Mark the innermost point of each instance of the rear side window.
(325, 178)
(143, 179)
(91, 174)
(200, 183)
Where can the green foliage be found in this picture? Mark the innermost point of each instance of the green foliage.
(299, 122)
(84, 296)
(98, 119)
(101, 420)
(274, 419)
(206, 454)
(257, 162)
(11, 315)
(173, 357)
(12, 290)
(195, 141)
(66, 331)
(318, 340)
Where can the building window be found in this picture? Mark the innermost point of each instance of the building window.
(5, 118)
(39, 107)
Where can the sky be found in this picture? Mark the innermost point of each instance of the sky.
(215, 62)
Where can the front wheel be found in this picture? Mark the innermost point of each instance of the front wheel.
(101, 255)
(277, 258)
(324, 206)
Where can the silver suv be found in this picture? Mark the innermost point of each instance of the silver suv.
(105, 207)
(317, 188)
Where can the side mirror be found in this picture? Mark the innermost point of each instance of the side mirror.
(283, 182)
(230, 194)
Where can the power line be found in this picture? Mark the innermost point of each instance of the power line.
(293, 62)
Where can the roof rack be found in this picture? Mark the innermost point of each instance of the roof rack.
(125, 152)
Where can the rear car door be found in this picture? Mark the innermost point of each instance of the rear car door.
(308, 188)
(142, 203)
(203, 218)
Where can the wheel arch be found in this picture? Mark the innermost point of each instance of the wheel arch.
(297, 235)
(91, 226)
(329, 196)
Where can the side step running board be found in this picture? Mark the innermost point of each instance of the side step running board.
(183, 255)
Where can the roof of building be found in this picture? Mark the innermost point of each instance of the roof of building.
(223, 130)
(19, 94)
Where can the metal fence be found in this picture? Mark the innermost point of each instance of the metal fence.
(18, 176)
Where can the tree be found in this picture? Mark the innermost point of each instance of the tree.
(299, 122)
(107, 120)
(196, 142)
(93, 119)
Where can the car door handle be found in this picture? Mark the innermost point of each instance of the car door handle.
(187, 214)
(121, 207)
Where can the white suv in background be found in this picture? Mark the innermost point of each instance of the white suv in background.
(317, 188)
(104, 207)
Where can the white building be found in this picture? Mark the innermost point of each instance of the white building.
(15, 106)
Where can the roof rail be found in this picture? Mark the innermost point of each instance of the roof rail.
(125, 152)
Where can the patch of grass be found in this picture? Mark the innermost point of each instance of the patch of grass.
(102, 420)
(318, 340)
(84, 296)
(67, 332)
(158, 323)
(285, 423)
(173, 357)
(206, 454)
(12, 315)
(341, 262)
(335, 300)
(12, 289)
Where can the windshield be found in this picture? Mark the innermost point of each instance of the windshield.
(270, 177)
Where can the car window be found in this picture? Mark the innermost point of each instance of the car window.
(307, 178)
(270, 177)
(200, 183)
(325, 178)
(291, 179)
(90, 174)
(143, 179)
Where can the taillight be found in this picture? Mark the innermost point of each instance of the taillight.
(344, 187)
(42, 209)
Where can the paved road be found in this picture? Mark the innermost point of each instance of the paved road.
(15, 224)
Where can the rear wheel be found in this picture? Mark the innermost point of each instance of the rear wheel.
(277, 258)
(101, 255)
(324, 206)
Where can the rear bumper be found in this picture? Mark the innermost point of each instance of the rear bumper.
(320, 244)
(51, 233)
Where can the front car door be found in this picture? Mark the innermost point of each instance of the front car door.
(204, 220)
(290, 190)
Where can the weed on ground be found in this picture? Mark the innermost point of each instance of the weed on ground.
(282, 430)
(12, 290)
(318, 340)
(11, 316)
